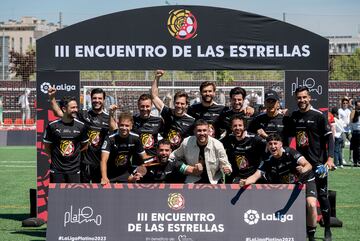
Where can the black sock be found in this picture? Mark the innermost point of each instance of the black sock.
(310, 231)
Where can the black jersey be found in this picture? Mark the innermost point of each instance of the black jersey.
(270, 125)
(210, 114)
(225, 119)
(176, 129)
(121, 152)
(98, 127)
(245, 155)
(148, 130)
(163, 172)
(65, 140)
(310, 130)
(283, 170)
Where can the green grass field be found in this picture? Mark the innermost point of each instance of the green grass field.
(18, 175)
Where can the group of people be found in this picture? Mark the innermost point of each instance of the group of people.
(346, 128)
(202, 143)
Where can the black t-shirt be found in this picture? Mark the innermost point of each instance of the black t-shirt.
(310, 130)
(270, 125)
(121, 152)
(176, 129)
(245, 155)
(210, 114)
(204, 174)
(98, 127)
(148, 130)
(283, 170)
(163, 172)
(225, 119)
(65, 140)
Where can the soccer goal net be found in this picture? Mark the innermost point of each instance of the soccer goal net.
(126, 96)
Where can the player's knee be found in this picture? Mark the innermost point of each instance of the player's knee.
(311, 203)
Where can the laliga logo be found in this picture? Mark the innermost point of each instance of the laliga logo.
(252, 217)
(182, 24)
(44, 87)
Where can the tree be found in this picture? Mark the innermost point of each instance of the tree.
(346, 67)
(22, 65)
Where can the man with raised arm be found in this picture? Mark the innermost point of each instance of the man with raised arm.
(97, 122)
(177, 124)
(64, 139)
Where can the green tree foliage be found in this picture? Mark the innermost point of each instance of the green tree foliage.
(346, 67)
(22, 65)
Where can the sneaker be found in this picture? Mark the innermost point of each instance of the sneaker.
(327, 234)
(344, 162)
(341, 166)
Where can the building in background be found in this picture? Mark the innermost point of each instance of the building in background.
(343, 45)
(4, 57)
(24, 33)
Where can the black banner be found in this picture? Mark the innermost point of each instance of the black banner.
(316, 81)
(182, 38)
(176, 212)
(66, 84)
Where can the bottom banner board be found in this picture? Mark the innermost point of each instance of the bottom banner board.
(181, 212)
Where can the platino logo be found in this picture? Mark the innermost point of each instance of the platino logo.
(44, 87)
(252, 217)
(82, 215)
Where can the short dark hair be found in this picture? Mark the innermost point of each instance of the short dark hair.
(273, 137)
(207, 83)
(126, 116)
(144, 97)
(180, 94)
(64, 102)
(238, 117)
(345, 99)
(164, 142)
(301, 89)
(238, 91)
(200, 122)
(98, 91)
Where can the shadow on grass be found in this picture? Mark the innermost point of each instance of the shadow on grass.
(41, 233)
(14, 216)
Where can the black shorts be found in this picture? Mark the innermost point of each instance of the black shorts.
(60, 177)
(311, 189)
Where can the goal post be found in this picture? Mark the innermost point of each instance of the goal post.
(126, 96)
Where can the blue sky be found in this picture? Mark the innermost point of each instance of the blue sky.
(324, 17)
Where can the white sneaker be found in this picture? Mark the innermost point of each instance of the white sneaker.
(341, 166)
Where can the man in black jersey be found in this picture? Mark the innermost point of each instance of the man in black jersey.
(314, 140)
(177, 124)
(237, 97)
(159, 169)
(286, 165)
(245, 150)
(97, 123)
(118, 151)
(64, 139)
(208, 109)
(272, 121)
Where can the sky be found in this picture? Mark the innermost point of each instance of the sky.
(324, 17)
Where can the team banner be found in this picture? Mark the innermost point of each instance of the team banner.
(182, 38)
(316, 81)
(66, 84)
(167, 212)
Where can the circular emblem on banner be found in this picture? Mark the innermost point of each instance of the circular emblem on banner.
(147, 140)
(251, 217)
(176, 201)
(44, 87)
(67, 147)
(182, 24)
